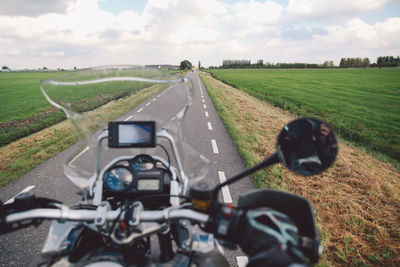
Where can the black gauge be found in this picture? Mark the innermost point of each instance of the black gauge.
(142, 163)
(118, 179)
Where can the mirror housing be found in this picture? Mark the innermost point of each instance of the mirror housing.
(307, 146)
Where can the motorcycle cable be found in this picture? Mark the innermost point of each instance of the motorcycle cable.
(169, 159)
(123, 207)
(126, 205)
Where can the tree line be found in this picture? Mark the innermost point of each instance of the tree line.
(246, 64)
(383, 61)
(354, 62)
(350, 62)
(234, 64)
(388, 61)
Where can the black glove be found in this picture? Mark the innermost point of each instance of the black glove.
(269, 238)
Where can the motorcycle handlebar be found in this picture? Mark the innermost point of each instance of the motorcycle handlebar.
(91, 215)
(225, 224)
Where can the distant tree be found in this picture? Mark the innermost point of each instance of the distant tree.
(347, 63)
(228, 63)
(74, 68)
(354, 62)
(365, 62)
(44, 68)
(4, 68)
(296, 65)
(388, 61)
(199, 65)
(328, 64)
(358, 62)
(342, 62)
(185, 65)
(259, 64)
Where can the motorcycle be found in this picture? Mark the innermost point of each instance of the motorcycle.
(142, 183)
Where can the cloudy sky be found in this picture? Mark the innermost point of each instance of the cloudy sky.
(82, 33)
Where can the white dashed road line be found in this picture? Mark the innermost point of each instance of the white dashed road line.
(242, 261)
(148, 103)
(199, 82)
(226, 195)
(214, 146)
(139, 110)
(127, 119)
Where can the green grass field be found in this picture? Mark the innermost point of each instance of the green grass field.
(20, 94)
(24, 110)
(362, 104)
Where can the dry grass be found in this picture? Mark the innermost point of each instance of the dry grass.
(25, 154)
(357, 201)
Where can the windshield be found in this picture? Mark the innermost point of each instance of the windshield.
(94, 97)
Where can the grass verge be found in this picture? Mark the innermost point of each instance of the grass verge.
(25, 154)
(357, 201)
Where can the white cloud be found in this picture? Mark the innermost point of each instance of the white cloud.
(33, 8)
(382, 35)
(263, 13)
(206, 30)
(328, 9)
(52, 54)
(353, 39)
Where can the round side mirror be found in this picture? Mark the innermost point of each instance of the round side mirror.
(307, 146)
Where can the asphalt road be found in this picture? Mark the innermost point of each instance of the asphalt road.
(205, 132)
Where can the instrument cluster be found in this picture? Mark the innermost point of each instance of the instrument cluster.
(141, 174)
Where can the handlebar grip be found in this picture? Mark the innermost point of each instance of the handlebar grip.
(266, 235)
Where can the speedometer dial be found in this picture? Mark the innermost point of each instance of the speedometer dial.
(118, 179)
(142, 162)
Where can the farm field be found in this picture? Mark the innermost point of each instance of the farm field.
(24, 110)
(20, 94)
(363, 105)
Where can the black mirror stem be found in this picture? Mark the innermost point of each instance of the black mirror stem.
(271, 160)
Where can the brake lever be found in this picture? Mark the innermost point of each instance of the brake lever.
(27, 201)
(23, 202)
